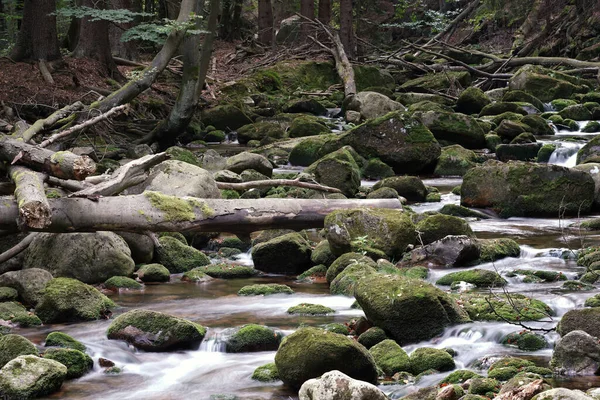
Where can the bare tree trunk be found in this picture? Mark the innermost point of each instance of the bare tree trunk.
(325, 11)
(37, 38)
(307, 9)
(236, 22)
(265, 22)
(225, 31)
(346, 32)
(127, 50)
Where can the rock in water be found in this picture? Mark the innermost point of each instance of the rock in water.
(451, 251)
(30, 283)
(335, 385)
(581, 319)
(288, 254)
(372, 104)
(577, 353)
(13, 346)
(408, 310)
(29, 376)
(528, 189)
(562, 394)
(310, 352)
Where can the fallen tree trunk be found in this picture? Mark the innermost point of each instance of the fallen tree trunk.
(156, 212)
(274, 183)
(46, 123)
(34, 210)
(62, 164)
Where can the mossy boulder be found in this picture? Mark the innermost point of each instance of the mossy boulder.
(390, 231)
(310, 352)
(264, 289)
(576, 353)
(528, 189)
(484, 386)
(537, 125)
(307, 126)
(322, 254)
(307, 151)
(177, 257)
(509, 129)
(518, 152)
(154, 273)
(180, 154)
(259, 131)
(455, 128)
(471, 101)
(29, 376)
(252, 337)
(562, 394)
(288, 254)
(67, 300)
(345, 260)
(477, 277)
(155, 331)
(390, 357)
(544, 83)
(496, 249)
(8, 294)
(437, 82)
(122, 282)
(371, 337)
(249, 161)
(383, 193)
(455, 160)
(425, 358)
(377, 169)
(88, 257)
(77, 362)
(584, 319)
(345, 282)
(561, 104)
(590, 152)
(317, 272)
(459, 376)
(517, 307)
(15, 314)
(409, 187)
(501, 107)
(438, 226)
(339, 170)
(225, 118)
(13, 346)
(305, 105)
(408, 310)
(310, 309)
(229, 271)
(196, 275)
(367, 75)
(59, 339)
(371, 105)
(266, 373)
(449, 252)
(525, 340)
(545, 152)
(577, 112)
(519, 96)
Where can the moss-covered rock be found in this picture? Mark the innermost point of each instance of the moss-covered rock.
(228, 271)
(8, 294)
(518, 152)
(455, 160)
(438, 226)
(561, 104)
(437, 82)
(13, 346)
(371, 104)
(537, 125)
(122, 282)
(264, 289)
(155, 331)
(307, 152)
(390, 357)
(477, 277)
(317, 272)
(154, 273)
(177, 257)
(539, 275)
(377, 169)
(528, 189)
(472, 100)
(590, 152)
(484, 386)
(225, 117)
(371, 337)
(523, 138)
(593, 301)
(543, 83)
(16, 314)
(244, 161)
(288, 254)
(307, 126)
(409, 187)
(305, 105)
(310, 352)
(260, 131)
(455, 128)
(408, 310)
(339, 170)
(390, 231)
(266, 373)
(252, 337)
(77, 362)
(521, 97)
(545, 152)
(518, 307)
(67, 300)
(59, 339)
(310, 309)
(585, 319)
(322, 254)
(459, 376)
(492, 141)
(525, 340)
(425, 358)
(346, 281)
(577, 112)
(501, 107)
(29, 376)
(345, 260)
(496, 249)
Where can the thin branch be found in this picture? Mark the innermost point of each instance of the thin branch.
(21, 246)
(276, 182)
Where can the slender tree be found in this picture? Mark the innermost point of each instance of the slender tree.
(325, 11)
(265, 22)
(346, 32)
(37, 38)
(307, 9)
(128, 50)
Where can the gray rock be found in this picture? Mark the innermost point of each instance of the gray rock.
(29, 376)
(243, 161)
(288, 254)
(88, 257)
(141, 246)
(227, 176)
(352, 116)
(30, 283)
(334, 385)
(451, 251)
(372, 104)
(577, 353)
(594, 170)
(289, 29)
(562, 394)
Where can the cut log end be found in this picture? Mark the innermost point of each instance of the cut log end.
(35, 215)
(83, 167)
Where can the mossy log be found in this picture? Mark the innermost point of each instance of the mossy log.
(152, 211)
(62, 164)
(42, 124)
(34, 210)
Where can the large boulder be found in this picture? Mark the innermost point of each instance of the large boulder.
(410, 187)
(528, 189)
(590, 152)
(576, 353)
(29, 376)
(472, 100)
(438, 226)
(178, 178)
(581, 319)
(155, 331)
(288, 254)
(141, 246)
(259, 131)
(390, 231)
(307, 125)
(543, 83)
(335, 385)
(245, 160)
(338, 170)
(225, 118)
(178, 257)
(455, 128)
(390, 357)
(408, 310)
(29, 283)
(372, 104)
(310, 352)
(253, 337)
(398, 139)
(77, 362)
(13, 346)
(67, 300)
(88, 257)
(451, 251)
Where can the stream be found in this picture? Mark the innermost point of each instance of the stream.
(210, 371)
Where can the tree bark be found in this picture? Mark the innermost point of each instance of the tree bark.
(307, 9)
(154, 212)
(346, 32)
(127, 50)
(34, 210)
(226, 14)
(325, 11)
(265, 22)
(62, 164)
(94, 43)
(236, 21)
(37, 38)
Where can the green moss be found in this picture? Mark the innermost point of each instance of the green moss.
(390, 357)
(318, 271)
(174, 209)
(511, 362)
(229, 194)
(345, 282)
(459, 376)
(264, 290)
(228, 271)
(16, 314)
(122, 282)
(577, 286)
(177, 257)
(59, 339)
(477, 277)
(153, 273)
(484, 386)
(372, 336)
(525, 340)
(12, 346)
(77, 362)
(335, 327)
(180, 154)
(499, 308)
(542, 276)
(423, 359)
(496, 249)
(266, 373)
(8, 294)
(438, 226)
(310, 309)
(253, 337)
(177, 235)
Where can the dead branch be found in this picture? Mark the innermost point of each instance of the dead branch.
(452, 26)
(45, 72)
(276, 182)
(15, 250)
(42, 124)
(34, 210)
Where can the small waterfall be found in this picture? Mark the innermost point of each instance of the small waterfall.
(565, 154)
(216, 343)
